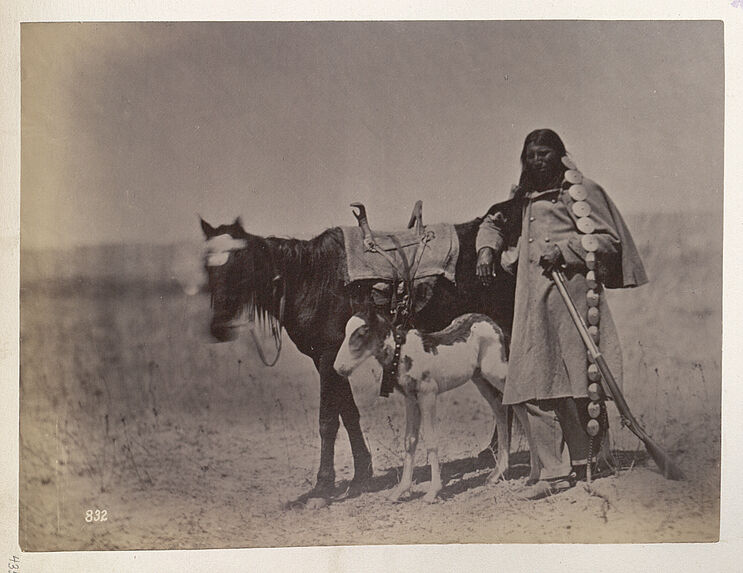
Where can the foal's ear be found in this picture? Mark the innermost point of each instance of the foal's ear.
(209, 231)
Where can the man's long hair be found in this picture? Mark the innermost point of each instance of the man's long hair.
(541, 137)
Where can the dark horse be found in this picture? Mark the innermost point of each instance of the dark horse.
(256, 271)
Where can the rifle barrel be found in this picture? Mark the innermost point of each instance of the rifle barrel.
(660, 457)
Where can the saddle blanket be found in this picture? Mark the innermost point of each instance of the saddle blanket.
(438, 256)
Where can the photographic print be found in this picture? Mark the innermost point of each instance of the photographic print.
(514, 336)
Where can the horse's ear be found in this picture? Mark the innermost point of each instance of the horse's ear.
(238, 222)
(209, 231)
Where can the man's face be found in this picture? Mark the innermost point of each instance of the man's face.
(541, 161)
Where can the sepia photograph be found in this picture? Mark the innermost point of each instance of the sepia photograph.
(360, 283)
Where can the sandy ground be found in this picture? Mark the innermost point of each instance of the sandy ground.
(127, 407)
(221, 480)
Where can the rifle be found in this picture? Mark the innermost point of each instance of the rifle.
(661, 458)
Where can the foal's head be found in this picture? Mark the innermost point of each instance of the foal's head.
(366, 333)
(227, 263)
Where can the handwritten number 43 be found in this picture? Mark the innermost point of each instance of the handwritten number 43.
(96, 515)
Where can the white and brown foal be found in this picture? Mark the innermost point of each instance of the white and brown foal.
(472, 347)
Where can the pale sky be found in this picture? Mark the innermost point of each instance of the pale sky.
(130, 130)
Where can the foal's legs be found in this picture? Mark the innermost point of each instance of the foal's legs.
(500, 413)
(427, 395)
(412, 431)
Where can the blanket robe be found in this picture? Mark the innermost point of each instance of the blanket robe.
(548, 359)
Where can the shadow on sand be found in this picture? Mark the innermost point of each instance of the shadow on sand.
(453, 475)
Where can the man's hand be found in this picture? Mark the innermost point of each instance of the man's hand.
(551, 259)
(485, 267)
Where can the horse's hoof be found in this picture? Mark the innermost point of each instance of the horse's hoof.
(430, 497)
(353, 490)
(363, 474)
(317, 503)
(356, 489)
(396, 494)
(324, 488)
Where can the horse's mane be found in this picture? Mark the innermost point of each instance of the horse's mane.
(300, 258)
(308, 268)
(315, 261)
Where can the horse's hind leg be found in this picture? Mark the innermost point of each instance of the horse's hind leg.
(427, 395)
(500, 413)
(412, 431)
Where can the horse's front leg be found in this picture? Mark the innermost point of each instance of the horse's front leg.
(329, 423)
(412, 431)
(340, 402)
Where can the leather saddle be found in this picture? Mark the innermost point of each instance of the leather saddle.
(403, 266)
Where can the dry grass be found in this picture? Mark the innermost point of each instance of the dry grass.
(126, 404)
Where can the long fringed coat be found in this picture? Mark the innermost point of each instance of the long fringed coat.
(548, 358)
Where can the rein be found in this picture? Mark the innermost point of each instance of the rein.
(389, 373)
(275, 332)
(406, 306)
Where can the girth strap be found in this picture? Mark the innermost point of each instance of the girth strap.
(389, 375)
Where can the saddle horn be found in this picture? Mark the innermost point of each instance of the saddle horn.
(416, 217)
(361, 213)
(364, 224)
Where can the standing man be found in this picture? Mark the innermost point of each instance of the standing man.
(558, 219)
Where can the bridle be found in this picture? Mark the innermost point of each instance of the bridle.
(217, 255)
(276, 327)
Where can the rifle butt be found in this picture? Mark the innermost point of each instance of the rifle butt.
(664, 462)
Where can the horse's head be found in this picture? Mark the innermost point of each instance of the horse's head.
(227, 264)
(366, 334)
